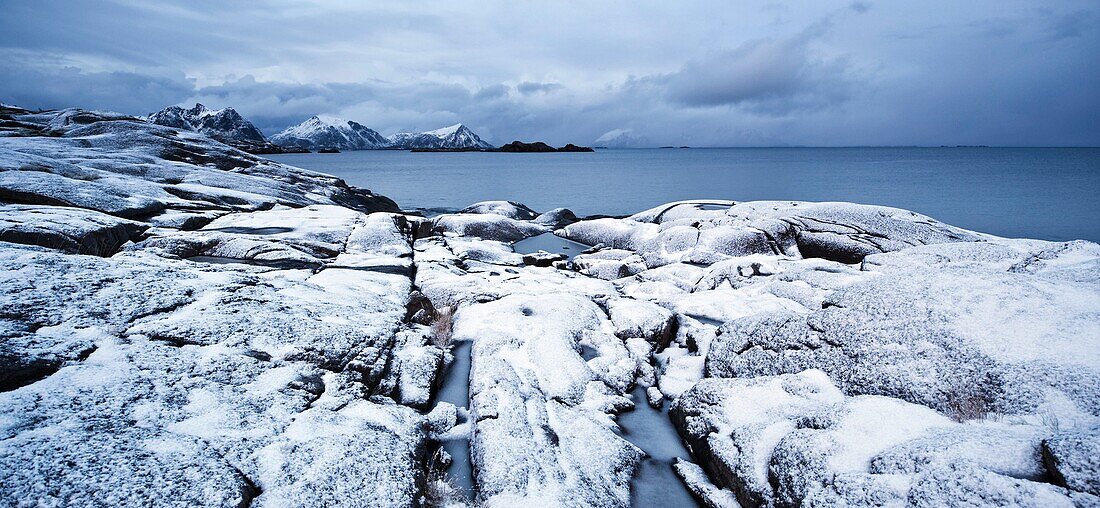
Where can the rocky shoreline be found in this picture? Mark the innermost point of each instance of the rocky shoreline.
(185, 324)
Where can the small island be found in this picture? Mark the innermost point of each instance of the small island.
(540, 147)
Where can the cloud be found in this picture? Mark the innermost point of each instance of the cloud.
(700, 74)
(529, 87)
(770, 76)
(66, 86)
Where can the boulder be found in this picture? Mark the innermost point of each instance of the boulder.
(487, 226)
(510, 209)
(556, 218)
(71, 230)
(1073, 459)
(958, 335)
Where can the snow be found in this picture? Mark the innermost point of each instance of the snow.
(444, 131)
(814, 353)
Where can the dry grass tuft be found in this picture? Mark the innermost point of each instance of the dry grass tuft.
(442, 326)
(965, 405)
(440, 490)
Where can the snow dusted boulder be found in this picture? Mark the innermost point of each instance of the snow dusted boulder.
(611, 233)
(71, 230)
(732, 425)
(697, 482)
(542, 258)
(556, 218)
(531, 390)
(637, 318)
(304, 236)
(510, 209)
(960, 484)
(361, 454)
(843, 439)
(795, 440)
(129, 168)
(705, 233)
(956, 333)
(1073, 459)
(121, 429)
(609, 264)
(487, 226)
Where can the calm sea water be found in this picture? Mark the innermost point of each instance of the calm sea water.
(1047, 193)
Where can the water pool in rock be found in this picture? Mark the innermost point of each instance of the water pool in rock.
(655, 483)
(549, 242)
(456, 390)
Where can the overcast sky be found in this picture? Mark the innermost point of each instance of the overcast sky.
(701, 73)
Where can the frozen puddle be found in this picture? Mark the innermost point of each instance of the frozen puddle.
(549, 242)
(655, 483)
(456, 390)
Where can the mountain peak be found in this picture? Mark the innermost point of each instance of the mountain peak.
(222, 124)
(323, 131)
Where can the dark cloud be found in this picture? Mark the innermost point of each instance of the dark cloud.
(767, 76)
(703, 73)
(67, 86)
(530, 87)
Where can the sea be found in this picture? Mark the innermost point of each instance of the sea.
(1044, 193)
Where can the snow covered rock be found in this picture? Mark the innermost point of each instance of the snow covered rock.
(71, 230)
(556, 218)
(543, 258)
(328, 132)
(636, 318)
(509, 209)
(1073, 459)
(795, 440)
(732, 425)
(958, 335)
(707, 232)
(129, 168)
(531, 390)
(488, 226)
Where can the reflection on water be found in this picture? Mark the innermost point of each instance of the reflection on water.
(549, 242)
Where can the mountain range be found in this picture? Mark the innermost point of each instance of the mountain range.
(316, 133)
(327, 132)
(225, 125)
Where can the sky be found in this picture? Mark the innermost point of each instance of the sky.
(699, 73)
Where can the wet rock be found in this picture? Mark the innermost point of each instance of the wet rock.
(542, 258)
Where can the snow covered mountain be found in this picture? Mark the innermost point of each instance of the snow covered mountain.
(329, 132)
(621, 138)
(225, 125)
(455, 136)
